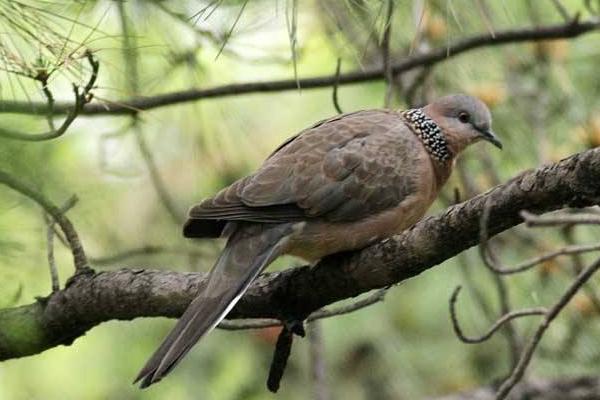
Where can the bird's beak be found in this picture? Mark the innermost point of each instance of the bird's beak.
(491, 137)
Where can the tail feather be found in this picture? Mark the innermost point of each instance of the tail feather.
(249, 250)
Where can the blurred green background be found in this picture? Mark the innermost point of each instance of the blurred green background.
(544, 96)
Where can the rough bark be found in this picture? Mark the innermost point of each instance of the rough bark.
(91, 297)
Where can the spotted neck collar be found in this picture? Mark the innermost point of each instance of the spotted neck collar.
(429, 132)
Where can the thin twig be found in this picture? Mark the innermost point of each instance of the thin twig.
(143, 251)
(317, 361)
(578, 267)
(591, 8)
(510, 332)
(82, 97)
(469, 186)
(61, 237)
(385, 49)
(50, 243)
(336, 84)
(540, 108)
(561, 10)
(533, 220)
(231, 29)
(484, 12)
(417, 82)
(473, 288)
(292, 27)
(495, 327)
(528, 264)
(184, 20)
(155, 177)
(136, 104)
(492, 262)
(130, 56)
(487, 255)
(527, 354)
(376, 297)
(489, 167)
(55, 283)
(79, 257)
(514, 342)
(50, 101)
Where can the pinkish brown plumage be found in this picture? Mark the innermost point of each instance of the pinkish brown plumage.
(339, 185)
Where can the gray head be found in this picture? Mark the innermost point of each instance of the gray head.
(463, 120)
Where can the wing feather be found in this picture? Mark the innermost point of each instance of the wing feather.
(341, 169)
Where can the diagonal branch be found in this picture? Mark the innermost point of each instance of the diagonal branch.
(93, 298)
(133, 105)
(50, 231)
(72, 238)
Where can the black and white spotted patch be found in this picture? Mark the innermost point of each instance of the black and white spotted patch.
(429, 133)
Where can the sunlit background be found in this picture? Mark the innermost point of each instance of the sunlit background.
(544, 97)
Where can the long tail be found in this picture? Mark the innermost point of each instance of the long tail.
(248, 251)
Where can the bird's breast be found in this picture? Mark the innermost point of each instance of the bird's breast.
(316, 239)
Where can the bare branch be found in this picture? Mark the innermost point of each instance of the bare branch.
(79, 257)
(50, 243)
(510, 332)
(518, 372)
(578, 264)
(561, 10)
(592, 7)
(562, 219)
(155, 177)
(417, 82)
(130, 57)
(134, 105)
(492, 262)
(484, 12)
(528, 264)
(388, 75)
(495, 327)
(143, 251)
(334, 94)
(55, 283)
(512, 337)
(82, 97)
(567, 250)
(317, 359)
(376, 297)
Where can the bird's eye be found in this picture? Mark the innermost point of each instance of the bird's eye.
(464, 117)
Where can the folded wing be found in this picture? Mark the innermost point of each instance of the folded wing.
(340, 170)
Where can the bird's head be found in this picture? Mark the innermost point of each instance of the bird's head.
(463, 120)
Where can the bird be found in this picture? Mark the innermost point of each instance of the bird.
(342, 184)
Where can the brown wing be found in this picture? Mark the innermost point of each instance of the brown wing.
(342, 169)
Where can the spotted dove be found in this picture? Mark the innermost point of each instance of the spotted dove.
(342, 184)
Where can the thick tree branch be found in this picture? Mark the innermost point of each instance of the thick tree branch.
(133, 105)
(91, 298)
